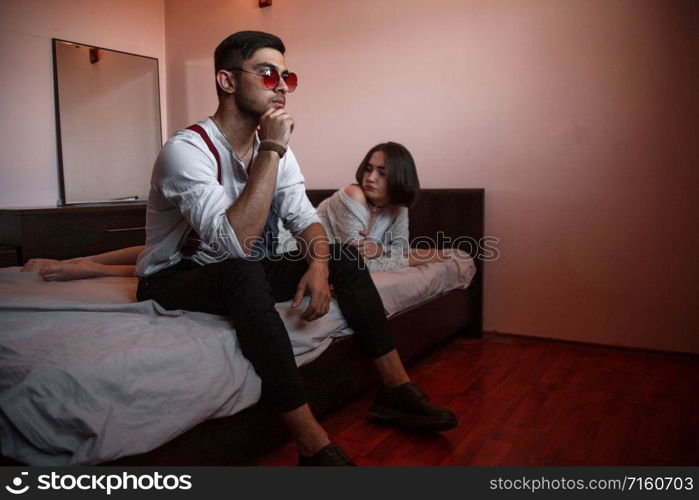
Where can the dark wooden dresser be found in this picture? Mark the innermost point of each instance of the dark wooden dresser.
(72, 231)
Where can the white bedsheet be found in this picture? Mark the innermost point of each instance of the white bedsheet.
(88, 375)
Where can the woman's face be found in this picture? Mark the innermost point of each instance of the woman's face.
(374, 181)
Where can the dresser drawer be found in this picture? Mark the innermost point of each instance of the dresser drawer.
(64, 233)
(8, 256)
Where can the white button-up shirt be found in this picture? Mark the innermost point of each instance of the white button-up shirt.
(185, 194)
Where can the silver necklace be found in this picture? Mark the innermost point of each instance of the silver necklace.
(240, 158)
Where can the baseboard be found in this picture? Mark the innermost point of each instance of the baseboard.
(488, 334)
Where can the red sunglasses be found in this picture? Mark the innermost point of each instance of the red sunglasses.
(271, 77)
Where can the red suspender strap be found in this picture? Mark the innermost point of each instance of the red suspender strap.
(192, 241)
(199, 130)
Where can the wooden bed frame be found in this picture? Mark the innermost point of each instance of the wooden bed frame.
(343, 371)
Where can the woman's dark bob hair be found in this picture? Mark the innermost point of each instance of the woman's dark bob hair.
(401, 175)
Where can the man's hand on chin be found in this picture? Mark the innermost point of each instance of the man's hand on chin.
(314, 283)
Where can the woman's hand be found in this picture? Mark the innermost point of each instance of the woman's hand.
(368, 248)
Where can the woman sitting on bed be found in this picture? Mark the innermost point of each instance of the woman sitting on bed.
(373, 214)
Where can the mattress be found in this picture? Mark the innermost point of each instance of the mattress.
(88, 375)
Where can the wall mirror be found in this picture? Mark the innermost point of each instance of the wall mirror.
(107, 122)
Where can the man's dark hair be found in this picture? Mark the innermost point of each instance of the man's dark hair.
(240, 46)
(401, 174)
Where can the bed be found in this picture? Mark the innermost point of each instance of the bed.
(89, 376)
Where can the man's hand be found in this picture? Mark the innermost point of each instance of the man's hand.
(315, 284)
(367, 248)
(276, 124)
(248, 214)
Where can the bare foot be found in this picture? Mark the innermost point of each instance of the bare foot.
(420, 256)
(56, 270)
(34, 265)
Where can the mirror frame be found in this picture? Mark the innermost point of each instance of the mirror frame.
(59, 147)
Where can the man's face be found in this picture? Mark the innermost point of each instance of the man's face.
(251, 95)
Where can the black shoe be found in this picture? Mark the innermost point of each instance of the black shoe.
(330, 455)
(407, 406)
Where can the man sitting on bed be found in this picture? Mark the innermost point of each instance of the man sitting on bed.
(217, 191)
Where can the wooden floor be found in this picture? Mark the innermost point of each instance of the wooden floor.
(536, 403)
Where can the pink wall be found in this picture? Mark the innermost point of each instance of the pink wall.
(29, 171)
(578, 117)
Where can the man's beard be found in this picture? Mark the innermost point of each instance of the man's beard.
(248, 107)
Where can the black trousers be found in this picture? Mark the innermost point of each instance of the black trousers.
(246, 290)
